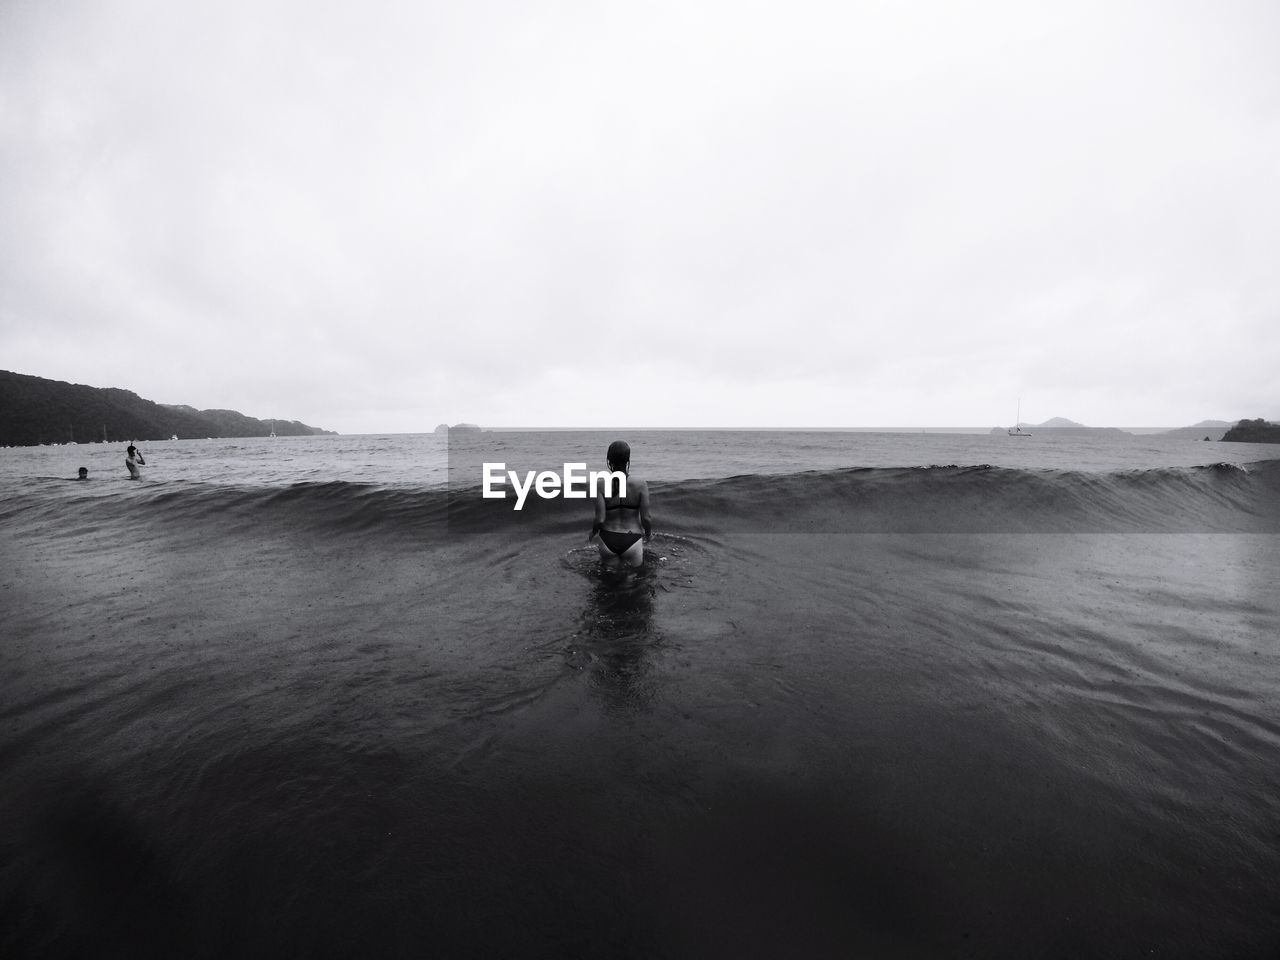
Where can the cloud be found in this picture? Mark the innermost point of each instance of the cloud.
(383, 219)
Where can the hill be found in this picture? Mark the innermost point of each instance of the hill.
(34, 410)
(1254, 431)
(1062, 427)
(1212, 429)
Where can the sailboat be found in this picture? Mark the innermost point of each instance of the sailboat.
(1017, 430)
(273, 428)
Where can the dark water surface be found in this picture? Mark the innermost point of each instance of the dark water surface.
(317, 723)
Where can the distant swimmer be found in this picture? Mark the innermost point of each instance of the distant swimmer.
(83, 473)
(618, 520)
(132, 460)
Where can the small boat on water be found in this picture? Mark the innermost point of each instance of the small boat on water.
(1017, 430)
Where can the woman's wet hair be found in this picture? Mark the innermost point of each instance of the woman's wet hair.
(619, 454)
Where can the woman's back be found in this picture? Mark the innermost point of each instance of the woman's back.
(623, 513)
(619, 520)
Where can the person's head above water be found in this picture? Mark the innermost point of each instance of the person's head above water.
(84, 474)
(619, 455)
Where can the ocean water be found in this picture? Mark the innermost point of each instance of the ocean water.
(422, 461)
(869, 695)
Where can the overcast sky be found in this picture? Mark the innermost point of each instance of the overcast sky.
(377, 217)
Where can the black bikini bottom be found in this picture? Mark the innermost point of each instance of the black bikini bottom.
(619, 543)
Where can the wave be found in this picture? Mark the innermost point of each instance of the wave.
(986, 499)
(936, 499)
(1218, 498)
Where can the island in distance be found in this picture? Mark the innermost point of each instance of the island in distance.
(1062, 427)
(34, 411)
(458, 428)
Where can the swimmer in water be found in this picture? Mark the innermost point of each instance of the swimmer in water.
(619, 521)
(83, 473)
(132, 458)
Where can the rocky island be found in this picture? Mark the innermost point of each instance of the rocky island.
(458, 428)
(1253, 431)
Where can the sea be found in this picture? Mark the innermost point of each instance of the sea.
(869, 695)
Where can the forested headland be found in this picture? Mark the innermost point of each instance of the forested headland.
(35, 411)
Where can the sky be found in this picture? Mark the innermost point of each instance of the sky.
(379, 217)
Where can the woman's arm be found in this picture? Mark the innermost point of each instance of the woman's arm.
(646, 519)
(599, 518)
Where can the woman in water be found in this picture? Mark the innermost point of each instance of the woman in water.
(619, 520)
